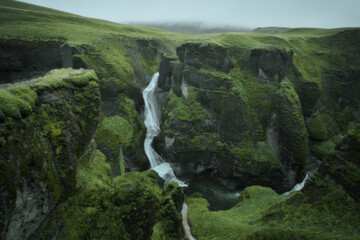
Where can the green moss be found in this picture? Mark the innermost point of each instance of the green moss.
(333, 215)
(235, 223)
(203, 141)
(346, 116)
(126, 208)
(82, 80)
(321, 127)
(54, 78)
(264, 155)
(46, 143)
(170, 224)
(17, 104)
(257, 96)
(113, 133)
(119, 127)
(291, 121)
(352, 174)
(94, 172)
(253, 158)
(26, 94)
(323, 149)
(188, 110)
(354, 133)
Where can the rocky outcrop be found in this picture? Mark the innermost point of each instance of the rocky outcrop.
(40, 149)
(342, 165)
(205, 54)
(289, 139)
(132, 206)
(23, 60)
(271, 65)
(214, 127)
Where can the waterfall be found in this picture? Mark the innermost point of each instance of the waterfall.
(298, 186)
(152, 123)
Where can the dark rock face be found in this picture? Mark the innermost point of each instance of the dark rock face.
(32, 206)
(341, 88)
(271, 65)
(211, 55)
(165, 72)
(21, 61)
(39, 155)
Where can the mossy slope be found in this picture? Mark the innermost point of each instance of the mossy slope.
(131, 206)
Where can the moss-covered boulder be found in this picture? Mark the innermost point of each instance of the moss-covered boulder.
(40, 146)
(322, 127)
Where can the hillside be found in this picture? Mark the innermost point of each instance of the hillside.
(245, 114)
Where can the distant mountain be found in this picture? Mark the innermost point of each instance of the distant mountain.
(270, 30)
(194, 28)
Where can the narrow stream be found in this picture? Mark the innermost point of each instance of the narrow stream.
(186, 226)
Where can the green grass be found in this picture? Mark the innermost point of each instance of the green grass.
(18, 100)
(75, 29)
(235, 223)
(15, 106)
(309, 44)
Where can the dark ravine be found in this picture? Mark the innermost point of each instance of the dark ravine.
(244, 118)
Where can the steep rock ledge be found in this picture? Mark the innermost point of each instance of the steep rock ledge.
(47, 124)
(21, 60)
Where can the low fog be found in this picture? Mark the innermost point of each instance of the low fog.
(214, 14)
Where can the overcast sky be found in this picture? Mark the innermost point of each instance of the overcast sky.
(242, 13)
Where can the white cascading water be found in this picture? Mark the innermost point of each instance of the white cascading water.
(298, 186)
(152, 113)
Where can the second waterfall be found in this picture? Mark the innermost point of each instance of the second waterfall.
(152, 123)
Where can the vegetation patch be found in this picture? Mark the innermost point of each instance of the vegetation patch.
(263, 214)
(17, 103)
(321, 127)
